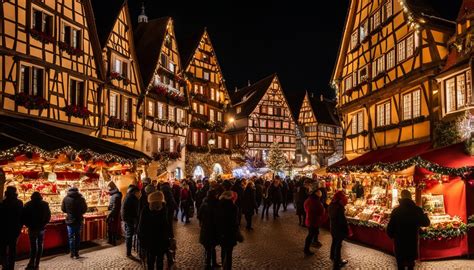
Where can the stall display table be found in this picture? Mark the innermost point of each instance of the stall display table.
(55, 236)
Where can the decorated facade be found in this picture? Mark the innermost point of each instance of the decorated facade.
(209, 101)
(163, 106)
(123, 82)
(320, 131)
(263, 116)
(49, 69)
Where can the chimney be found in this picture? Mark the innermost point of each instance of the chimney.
(322, 97)
(143, 17)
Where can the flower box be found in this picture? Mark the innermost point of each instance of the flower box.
(31, 102)
(41, 36)
(118, 77)
(114, 122)
(166, 154)
(63, 46)
(77, 111)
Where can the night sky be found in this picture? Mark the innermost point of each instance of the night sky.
(256, 38)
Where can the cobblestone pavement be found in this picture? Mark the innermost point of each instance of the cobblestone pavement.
(274, 244)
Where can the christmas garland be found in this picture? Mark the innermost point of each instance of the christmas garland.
(402, 165)
(445, 230)
(364, 223)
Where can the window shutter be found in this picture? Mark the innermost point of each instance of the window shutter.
(124, 69)
(72, 90)
(81, 93)
(38, 18)
(26, 85)
(78, 39)
(48, 28)
(39, 83)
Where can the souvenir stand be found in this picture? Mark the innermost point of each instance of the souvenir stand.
(441, 186)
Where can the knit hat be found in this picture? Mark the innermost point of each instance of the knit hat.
(405, 194)
(149, 189)
(226, 195)
(156, 196)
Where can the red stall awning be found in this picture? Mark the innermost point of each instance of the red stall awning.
(452, 156)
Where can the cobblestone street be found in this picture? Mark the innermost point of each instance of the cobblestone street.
(272, 245)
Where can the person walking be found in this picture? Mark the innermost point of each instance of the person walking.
(338, 226)
(11, 213)
(276, 196)
(249, 204)
(301, 196)
(258, 193)
(238, 190)
(113, 218)
(228, 228)
(209, 236)
(267, 199)
(130, 216)
(314, 214)
(171, 206)
(403, 227)
(284, 194)
(36, 215)
(177, 195)
(186, 203)
(153, 230)
(200, 195)
(75, 206)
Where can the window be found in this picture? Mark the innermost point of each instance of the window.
(354, 39)
(227, 143)
(278, 124)
(458, 91)
(357, 124)
(376, 20)
(263, 123)
(42, 22)
(31, 80)
(180, 116)
(354, 79)
(270, 110)
(383, 114)
(412, 105)
(171, 113)
(203, 138)
(401, 51)
(171, 66)
(201, 109)
(76, 89)
(161, 111)
(71, 36)
(127, 109)
(362, 76)
(219, 142)
(151, 108)
(271, 124)
(213, 94)
(218, 95)
(388, 9)
(195, 138)
(391, 59)
(348, 83)
(239, 109)
(219, 116)
(120, 66)
(364, 30)
(286, 125)
(410, 46)
(164, 60)
(250, 137)
(211, 115)
(195, 107)
(381, 64)
(263, 109)
(286, 139)
(113, 104)
(206, 75)
(270, 138)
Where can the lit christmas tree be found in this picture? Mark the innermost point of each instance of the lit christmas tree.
(276, 159)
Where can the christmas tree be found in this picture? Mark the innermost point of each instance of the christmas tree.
(276, 159)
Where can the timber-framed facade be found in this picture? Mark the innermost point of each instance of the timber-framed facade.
(389, 53)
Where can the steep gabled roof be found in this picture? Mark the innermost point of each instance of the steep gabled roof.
(467, 7)
(249, 97)
(324, 110)
(106, 13)
(149, 38)
(188, 47)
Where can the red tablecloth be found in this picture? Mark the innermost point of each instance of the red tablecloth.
(429, 249)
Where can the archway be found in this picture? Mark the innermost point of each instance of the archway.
(178, 173)
(217, 169)
(198, 173)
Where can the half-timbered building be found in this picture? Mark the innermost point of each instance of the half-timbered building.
(321, 133)
(209, 101)
(263, 116)
(389, 53)
(48, 67)
(162, 109)
(123, 82)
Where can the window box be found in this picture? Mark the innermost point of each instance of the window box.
(356, 47)
(209, 125)
(363, 133)
(199, 97)
(163, 90)
(31, 102)
(77, 111)
(385, 128)
(114, 122)
(412, 121)
(42, 36)
(63, 46)
(118, 77)
(166, 155)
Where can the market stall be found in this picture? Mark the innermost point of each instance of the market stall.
(52, 171)
(442, 189)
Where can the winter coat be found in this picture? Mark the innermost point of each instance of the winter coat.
(237, 188)
(169, 198)
(115, 205)
(358, 189)
(130, 209)
(153, 230)
(259, 193)
(207, 216)
(176, 193)
(284, 190)
(301, 197)
(200, 195)
(227, 224)
(405, 222)
(75, 206)
(338, 221)
(36, 214)
(324, 196)
(275, 194)
(249, 201)
(11, 213)
(314, 211)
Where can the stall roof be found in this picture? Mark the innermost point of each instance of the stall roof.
(452, 156)
(387, 155)
(16, 131)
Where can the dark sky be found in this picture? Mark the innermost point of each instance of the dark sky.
(256, 38)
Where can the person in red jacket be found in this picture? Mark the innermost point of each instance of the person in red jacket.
(314, 213)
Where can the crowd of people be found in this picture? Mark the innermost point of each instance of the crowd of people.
(149, 209)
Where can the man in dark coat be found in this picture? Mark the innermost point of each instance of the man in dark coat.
(75, 206)
(301, 196)
(36, 216)
(11, 213)
(258, 193)
(239, 190)
(209, 236)
(404, 225)
(130, 216)
(153, 230)
(228, 228)
(276, 196)
(171, 204)
(314, 214)
(284, 194)
(177, 197)
(339, 227)
(113, 218)
(249, 204)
